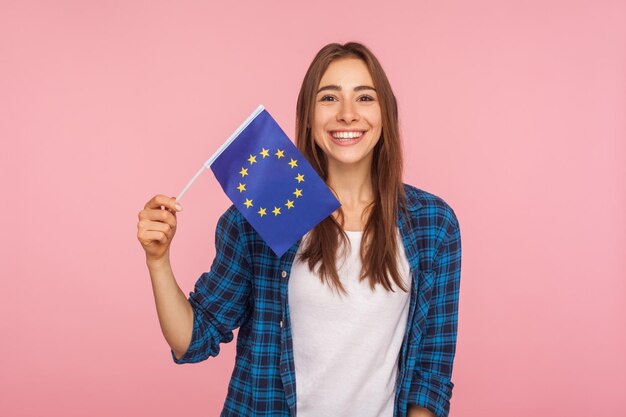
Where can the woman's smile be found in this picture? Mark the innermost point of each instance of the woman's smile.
(346, 137)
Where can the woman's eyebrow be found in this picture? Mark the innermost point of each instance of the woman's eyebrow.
(338, 88)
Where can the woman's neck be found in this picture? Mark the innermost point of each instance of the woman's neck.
(352, 183)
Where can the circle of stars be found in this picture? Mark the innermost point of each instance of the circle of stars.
(289, 204)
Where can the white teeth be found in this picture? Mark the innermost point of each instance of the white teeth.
(346, 135)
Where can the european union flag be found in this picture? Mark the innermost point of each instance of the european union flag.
(271, 183)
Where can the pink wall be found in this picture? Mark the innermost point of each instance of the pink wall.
(514, 114)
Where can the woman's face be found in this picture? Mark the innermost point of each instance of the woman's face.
(347, 121)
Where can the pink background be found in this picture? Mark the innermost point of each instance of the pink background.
(513, 112)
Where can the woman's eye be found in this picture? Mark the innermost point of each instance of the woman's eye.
(327, 98)
(366, 98)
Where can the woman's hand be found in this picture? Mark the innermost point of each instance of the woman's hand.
(157, 226)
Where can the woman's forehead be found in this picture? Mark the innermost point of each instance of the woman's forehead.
(346, 73)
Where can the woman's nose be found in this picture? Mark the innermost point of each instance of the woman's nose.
(347, 112)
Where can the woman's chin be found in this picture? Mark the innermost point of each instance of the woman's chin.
(349, 161)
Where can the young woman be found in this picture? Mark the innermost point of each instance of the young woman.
(359, 317)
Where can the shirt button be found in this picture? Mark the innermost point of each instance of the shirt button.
(283, 274)
(281, 323)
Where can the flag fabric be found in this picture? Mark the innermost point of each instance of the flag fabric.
(271, 183)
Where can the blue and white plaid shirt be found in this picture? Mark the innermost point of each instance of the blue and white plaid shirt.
(246, 288)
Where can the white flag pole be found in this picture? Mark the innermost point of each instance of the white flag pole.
(195, 177)
(217, 153)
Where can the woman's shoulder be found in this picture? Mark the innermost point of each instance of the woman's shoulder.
(421, 201)
(231, 216)
(233, 222)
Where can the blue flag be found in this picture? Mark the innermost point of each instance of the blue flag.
(271, 183)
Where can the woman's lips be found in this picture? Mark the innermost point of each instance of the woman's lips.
(346, 141)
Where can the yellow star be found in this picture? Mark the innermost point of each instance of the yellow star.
(241, 187)
(280, 154)
(248, 203)
(243, 172)
(262, 212)
(300, 178)
(252, 159)
(298, 193)
(276, 211)
(293, 163)
(264, 152)
(289, 204)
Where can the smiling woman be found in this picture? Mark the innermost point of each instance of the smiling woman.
(359, 317)
(347, 123)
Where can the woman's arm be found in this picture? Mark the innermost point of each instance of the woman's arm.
(432, 385)
(173, 308)
(220, 300)
(194, 327)
(155, 231)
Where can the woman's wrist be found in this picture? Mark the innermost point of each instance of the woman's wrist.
(158, 263)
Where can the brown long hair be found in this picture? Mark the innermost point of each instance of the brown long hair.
(379, 248)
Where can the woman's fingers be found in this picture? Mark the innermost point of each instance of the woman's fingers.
(151, 225)
(164, 216)
(147, 237)
(162, 200)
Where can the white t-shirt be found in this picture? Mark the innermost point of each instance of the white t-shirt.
(346, 348)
